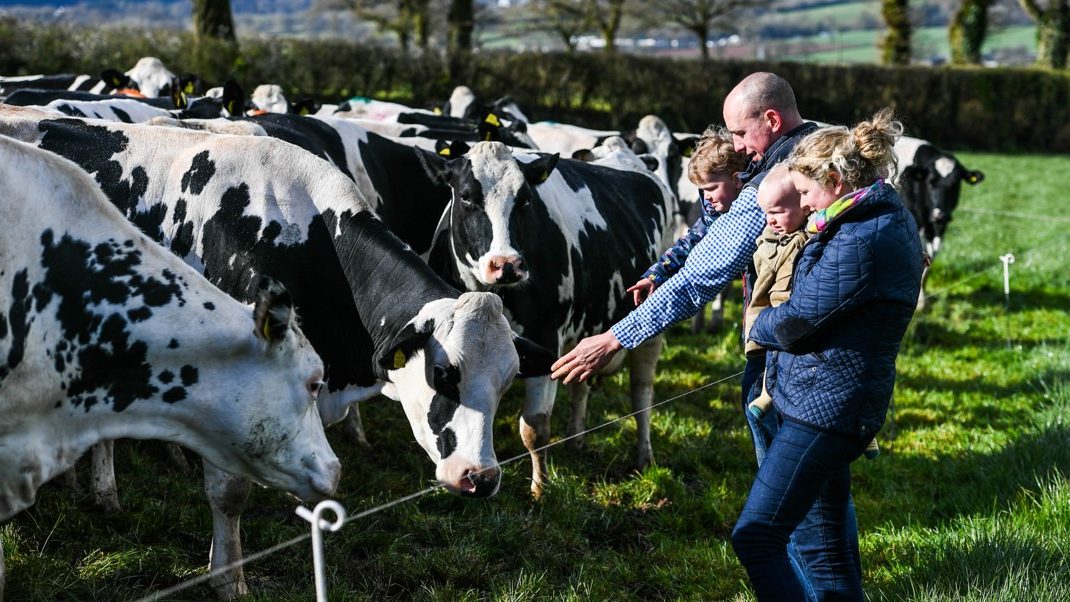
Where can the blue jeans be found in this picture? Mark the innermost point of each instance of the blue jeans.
(762, 432)
(803, 487)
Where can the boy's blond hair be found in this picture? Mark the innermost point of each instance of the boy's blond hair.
(715, 153)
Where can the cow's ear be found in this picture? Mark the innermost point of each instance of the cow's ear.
(650, 161)
(405, 344)
(451, 150)
(538, 170)
(687, 145)
(535, 360)
(489, 128)
(233, 98)
(583, 154)
(305, 106)
(436, 166)
(115, 78)
(974, 177)
(273, 314)
(178, 94)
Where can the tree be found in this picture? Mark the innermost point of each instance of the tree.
(1053, 31)
(605, 16)
(407, 19)
(895, 47)
(967, 31)
(566, 19)
(697, 16)
(215, 45)
(460, 22)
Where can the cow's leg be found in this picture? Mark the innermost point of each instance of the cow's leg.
(354, 428)
(70, 480)
(578, 392)
(102, 477)
(178, 458)
(226, 494)
(535, 425)
(921, 290)
(643, 362)
(698, 321)
(716, 313)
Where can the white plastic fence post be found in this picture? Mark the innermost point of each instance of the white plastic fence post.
(1007, 260)
(315, 517)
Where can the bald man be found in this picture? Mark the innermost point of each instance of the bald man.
(763, 117)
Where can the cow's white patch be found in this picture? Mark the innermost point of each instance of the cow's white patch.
(944, 166)
(151, 76)
(460, 100)
(906, 148)
(269, 97)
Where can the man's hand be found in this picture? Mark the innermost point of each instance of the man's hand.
(586, 358)
(641, 290)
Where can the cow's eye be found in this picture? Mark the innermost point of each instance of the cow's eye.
(314, 387)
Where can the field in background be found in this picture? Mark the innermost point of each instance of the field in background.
(969, 500)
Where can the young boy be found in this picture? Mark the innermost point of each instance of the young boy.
(774, 263)
(714, 168)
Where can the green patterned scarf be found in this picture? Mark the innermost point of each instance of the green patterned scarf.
(820, 220)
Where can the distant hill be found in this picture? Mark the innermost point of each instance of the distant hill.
(826, 31)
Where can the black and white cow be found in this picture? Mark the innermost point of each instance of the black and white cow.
(104, 334)
(929, 181)
(148, 77)
(379, 317)
(560, 241)
(464, 103)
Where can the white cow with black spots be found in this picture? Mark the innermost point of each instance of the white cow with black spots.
(105, 334)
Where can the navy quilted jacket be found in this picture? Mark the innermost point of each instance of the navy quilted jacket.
(833, 343)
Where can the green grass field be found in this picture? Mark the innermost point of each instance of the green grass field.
(969, 500)
(860, 46)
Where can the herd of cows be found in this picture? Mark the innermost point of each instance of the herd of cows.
(234, 274)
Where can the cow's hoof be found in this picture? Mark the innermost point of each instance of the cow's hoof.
(230, 588)
(109, 503)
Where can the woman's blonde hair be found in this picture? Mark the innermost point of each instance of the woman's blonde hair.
(859, 155)
(715, 153)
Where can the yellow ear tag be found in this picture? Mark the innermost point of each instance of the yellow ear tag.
(189, 88)
(493, 120)
(438, 111)
(973, 179)
(304, 111)
(267, 330)
(445, 152)
(545, 175)
(399, 360)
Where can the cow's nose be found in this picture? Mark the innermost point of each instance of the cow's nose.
(482, 483)
(937, 215)
(505, 270)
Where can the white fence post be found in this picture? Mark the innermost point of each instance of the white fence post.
(315, 517)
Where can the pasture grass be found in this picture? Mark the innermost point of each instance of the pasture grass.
(970, 499)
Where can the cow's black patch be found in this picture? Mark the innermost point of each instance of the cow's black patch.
(410, 206)
(140, 314)
(174, 394)
(447, 443)
(93, 148)
(173, 344)
(166, 377)
(442, 410)
(122, 115)
(179, 214)
(209, 306)
(101, 347)
(189, 375)
(19, 318)
(70, 110)
(150, 221)
(200, 172)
